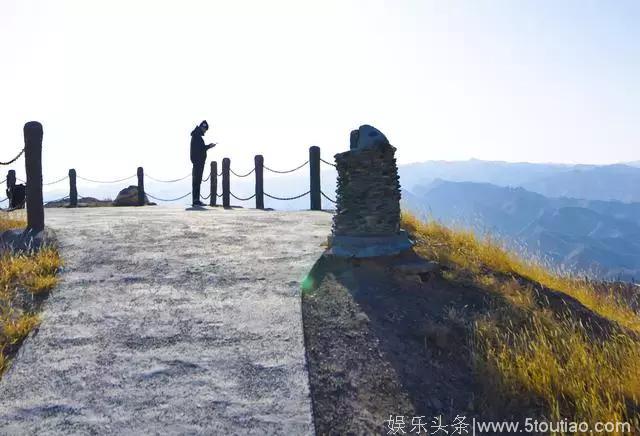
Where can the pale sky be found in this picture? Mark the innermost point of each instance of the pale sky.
(121, 83)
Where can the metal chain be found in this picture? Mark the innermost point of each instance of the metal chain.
(5, 199)
(240, 198)
(242, 175)
(286, 198)
(3, 181)
(168, 181)
(327, 197)
(285, 172)
(219, 195)
(207, 178)
(207, 197)
(168, 199)
(14, 159)
(220, 173)
(20, 180)
(328, 163)
(57, 181)
(106, 181)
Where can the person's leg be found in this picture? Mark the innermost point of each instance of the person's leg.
(195, 194)
(198, 169)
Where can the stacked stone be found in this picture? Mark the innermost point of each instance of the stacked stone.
(368, 193)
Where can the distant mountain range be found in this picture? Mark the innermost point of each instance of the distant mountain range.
(608, 182)
(598, 237)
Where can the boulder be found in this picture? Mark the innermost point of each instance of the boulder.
(129, 197)
(367, 137)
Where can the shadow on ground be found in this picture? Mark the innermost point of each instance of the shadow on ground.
(382, 342)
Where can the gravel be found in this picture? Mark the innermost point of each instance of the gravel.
(170, 321)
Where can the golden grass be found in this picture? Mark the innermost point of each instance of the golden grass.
(22, 276)
(527, 356)
(463, 250)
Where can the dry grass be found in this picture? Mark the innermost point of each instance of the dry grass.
(22, 278)
(529, 357)
(462, 249)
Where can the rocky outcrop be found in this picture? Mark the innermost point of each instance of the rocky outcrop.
(129, 197)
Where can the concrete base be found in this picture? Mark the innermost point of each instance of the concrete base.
(368, 246)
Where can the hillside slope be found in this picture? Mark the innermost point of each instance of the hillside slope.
(486, 336)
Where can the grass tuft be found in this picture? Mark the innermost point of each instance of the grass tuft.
(22, 277)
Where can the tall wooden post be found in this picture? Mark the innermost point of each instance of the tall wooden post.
(73, 191)
(314, 175)
(33, 166)
(213, 182)
(140, 186)
(226, 165)
(259, 166)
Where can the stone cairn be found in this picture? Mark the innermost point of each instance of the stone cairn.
(367, 219)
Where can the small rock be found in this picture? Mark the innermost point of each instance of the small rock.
(362, 318)
(415, 267)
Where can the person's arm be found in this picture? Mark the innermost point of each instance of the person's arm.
(213, 144)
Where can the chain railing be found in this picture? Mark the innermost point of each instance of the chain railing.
(55, 181)
(242, 198)
(106, 182)
(328, 198)
(314, 191)
(168, 181)
(328, 163)
(287, 171)
(14, 159)
(273, 197)
(167, 199)
(242, 175)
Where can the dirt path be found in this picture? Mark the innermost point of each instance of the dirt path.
(170, 322)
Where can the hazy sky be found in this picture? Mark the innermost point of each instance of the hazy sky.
(121, 83)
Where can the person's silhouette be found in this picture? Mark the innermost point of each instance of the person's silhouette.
(198, 158)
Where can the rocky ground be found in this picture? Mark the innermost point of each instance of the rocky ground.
(170, 321)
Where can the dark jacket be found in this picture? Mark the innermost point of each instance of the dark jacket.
(198, 148)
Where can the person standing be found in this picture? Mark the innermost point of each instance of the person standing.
(198, 158)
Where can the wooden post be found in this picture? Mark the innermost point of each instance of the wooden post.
(11, 183)
(213, 181)
(226, 165)
(140, 186)
(314, 174)
(259, 166)
(73, 191)
(33, 167)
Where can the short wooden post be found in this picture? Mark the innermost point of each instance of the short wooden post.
(226, 165)
(11, 183)
(140, 186)
(314, 174)
(73, 191)
(213, 181)
(259, 166)
(33, 167)
(11, 180)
